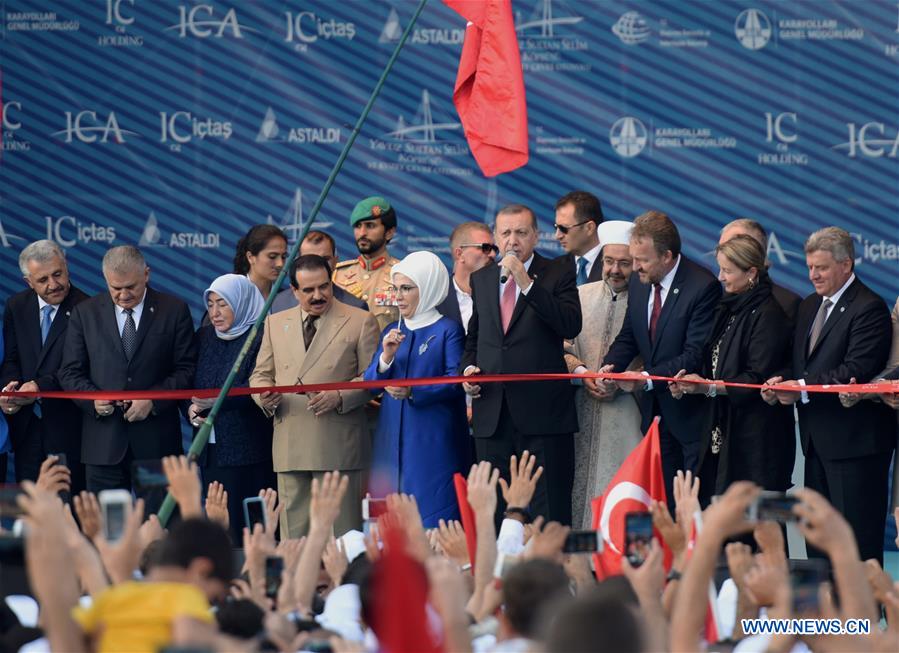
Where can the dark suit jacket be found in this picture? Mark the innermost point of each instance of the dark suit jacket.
(595, 271)
(788, 301)
(682, 331)
(26, 360)
(855, 342)
(549, 313)
(165, 359)
(449, 307)
(286, 299)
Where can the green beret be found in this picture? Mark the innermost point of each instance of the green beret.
(370, 207)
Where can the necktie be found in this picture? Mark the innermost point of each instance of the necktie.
(818, 325)
(309, 330)
(129, 334)
(656, 310)
(507, 304)
(582, 271)
(45, 322)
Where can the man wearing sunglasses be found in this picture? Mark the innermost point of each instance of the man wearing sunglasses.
(471, 245)
(578, 215)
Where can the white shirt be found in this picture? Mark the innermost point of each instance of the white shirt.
(137, 311)
(466, 305)
(591, 257)
(40, 308)
(666, 283)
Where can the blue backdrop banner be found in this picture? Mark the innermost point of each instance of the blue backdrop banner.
(175, 125)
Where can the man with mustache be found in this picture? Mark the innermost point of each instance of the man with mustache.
(319, 341)
(368, 277)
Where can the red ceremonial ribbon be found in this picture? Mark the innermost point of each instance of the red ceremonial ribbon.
(884, 387)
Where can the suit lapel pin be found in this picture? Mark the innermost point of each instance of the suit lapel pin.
(842, 308)
(286, 328)
(424, 346)
(152, 309)
(68, 313)
(676, 290)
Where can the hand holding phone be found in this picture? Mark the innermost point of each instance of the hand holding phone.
(637, 537)
(115, 506)
(583, 542)
(274, 568)
(254, 513)
(773, 506)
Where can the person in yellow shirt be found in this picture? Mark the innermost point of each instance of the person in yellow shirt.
(191, 569)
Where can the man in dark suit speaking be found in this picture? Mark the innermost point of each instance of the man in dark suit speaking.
(842, 336)
(34, 328)
(130, 338)
(523, 309)
(669, 316)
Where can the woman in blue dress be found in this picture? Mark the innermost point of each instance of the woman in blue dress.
(422, 435)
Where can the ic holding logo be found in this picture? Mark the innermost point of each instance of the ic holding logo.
(631, 28)
(9, 123)
(628, 136)
(775, 127)
(114, 15)
(753, 29)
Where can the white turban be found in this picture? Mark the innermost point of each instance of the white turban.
(614, 232)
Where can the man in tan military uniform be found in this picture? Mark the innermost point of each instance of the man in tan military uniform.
(368, 276)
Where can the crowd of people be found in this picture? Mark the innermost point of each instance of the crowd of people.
(624, 298)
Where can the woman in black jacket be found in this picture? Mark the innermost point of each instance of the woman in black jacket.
(239, 453)
(744, 438)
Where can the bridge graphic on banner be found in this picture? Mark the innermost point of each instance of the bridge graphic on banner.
(544, 18)
(426, 130)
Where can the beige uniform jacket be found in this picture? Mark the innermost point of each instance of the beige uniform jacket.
(369, 280)
(345, 342)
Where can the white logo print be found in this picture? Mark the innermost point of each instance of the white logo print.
(426, 130)
(631, 28)
(192, 23)
(874, 145)
(628, 136)
(87, 133)
(545, 19)
(753, 29)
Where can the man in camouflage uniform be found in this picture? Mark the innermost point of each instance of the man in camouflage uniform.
(368, 276)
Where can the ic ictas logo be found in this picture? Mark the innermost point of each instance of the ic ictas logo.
(200, 21)
(307, 27)
(88, 127)
(68, 231)
(181, 127)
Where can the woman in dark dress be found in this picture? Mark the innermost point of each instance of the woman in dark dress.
(239, 453)
(745, 438)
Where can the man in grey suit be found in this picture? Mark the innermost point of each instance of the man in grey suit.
(322, 244)
(129, 338)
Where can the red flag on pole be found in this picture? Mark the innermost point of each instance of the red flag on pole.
(468, 525)
(638, 481)
(489, 91)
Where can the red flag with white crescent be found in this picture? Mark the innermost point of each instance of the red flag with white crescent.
(635, 485)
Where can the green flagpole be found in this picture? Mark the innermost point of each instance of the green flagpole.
(165, 511)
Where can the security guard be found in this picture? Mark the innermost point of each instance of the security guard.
(368, 276)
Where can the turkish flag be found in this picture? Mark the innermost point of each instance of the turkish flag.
(638, 481)
(489, 90)
(467, 514)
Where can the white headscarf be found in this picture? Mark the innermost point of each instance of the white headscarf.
(243, 297)
(429, 273)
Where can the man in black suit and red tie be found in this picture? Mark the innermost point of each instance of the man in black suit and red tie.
(523, 310)
(129, 338)
(34, 327)
(671, 302)
(842, 335)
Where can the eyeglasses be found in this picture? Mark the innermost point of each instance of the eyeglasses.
(565, 229)
(404, 289)
(484, 247)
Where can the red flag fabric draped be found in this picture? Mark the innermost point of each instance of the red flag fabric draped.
(638, 481)
(400, 587)
(489, 91)
(468, 525)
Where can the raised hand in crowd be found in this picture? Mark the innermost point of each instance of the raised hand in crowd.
(150, 531)
(686, 500)
(184, 485)
(739, 562)
(50, 570)
(54, 477)
(519, 491)
(272, 510)
(257, 545)
(88, 565)
(482, 482)
(120, 558)
(448, 595)
(217, 504)
(87, 508)
(722, 519)
(404, 511)
(548, 542)
(335, 561)
(324, 508)
(648, 582)
(450, 538)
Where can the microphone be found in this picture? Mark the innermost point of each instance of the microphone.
(504, 271)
